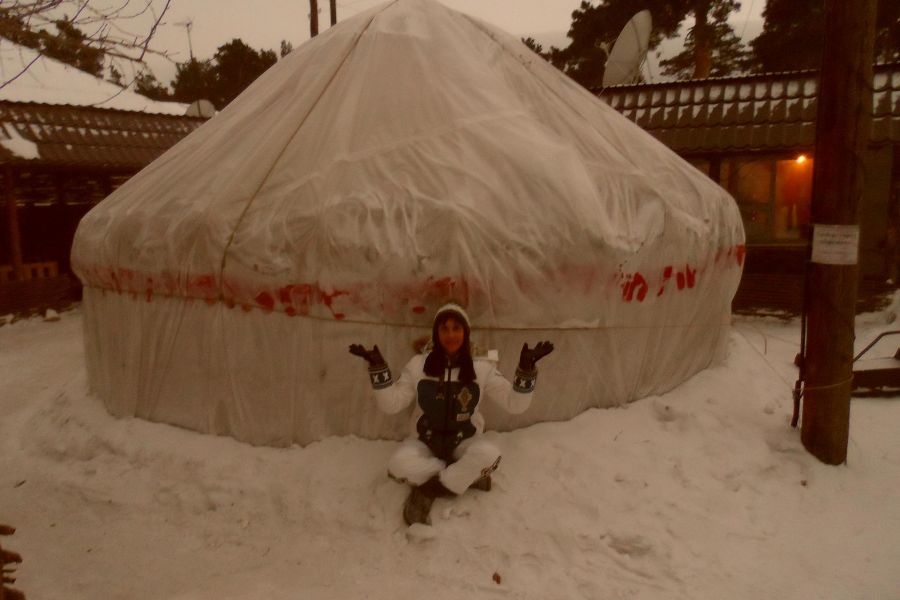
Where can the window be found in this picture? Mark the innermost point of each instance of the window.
(793, 192)
(773, 195)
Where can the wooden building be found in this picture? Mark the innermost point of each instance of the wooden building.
(67, 139)
(57, 162)
(755, 136)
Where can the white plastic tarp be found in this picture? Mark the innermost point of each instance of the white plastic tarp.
(409, 156)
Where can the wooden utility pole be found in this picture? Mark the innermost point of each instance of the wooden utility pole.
(843, 125)
(313, 18)
(333, 13)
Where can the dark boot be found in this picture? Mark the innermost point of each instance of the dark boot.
(417, 508)
(482, 483)
(434, 488)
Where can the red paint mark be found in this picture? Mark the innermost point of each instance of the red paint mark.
(440, 290)
(740, 253)
(667, 275)
(305, 293)
(366, 297)
(634, 283)
(265, 300)
(202, 285)
(642, 286)
(246, 307)
(444, 285)
(626, 288)
(691, 275)
(328, 300)
(169, 284)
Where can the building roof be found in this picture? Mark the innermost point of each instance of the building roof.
(27, 76)
(85, 136)
(758, 112)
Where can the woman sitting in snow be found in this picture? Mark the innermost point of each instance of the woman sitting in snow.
(447, 453)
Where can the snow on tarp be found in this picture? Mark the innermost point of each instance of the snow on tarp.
(408, 156)
(34, 78)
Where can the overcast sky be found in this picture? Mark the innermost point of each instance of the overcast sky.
(262, 24)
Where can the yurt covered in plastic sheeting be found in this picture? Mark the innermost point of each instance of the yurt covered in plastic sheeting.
(409, 156)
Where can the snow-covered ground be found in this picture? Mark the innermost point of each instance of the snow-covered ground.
(704, 492)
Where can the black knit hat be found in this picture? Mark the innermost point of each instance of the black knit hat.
(437, 360)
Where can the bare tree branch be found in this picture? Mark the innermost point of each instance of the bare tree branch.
(153, 29)
(33, 22)
(20, 73)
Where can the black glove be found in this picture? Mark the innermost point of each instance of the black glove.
(530, 356)
(373, 356)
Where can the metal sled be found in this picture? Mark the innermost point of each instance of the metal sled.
(877, 376)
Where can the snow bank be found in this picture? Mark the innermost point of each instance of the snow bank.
(704, 492)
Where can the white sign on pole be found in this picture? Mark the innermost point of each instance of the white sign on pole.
(835, 244)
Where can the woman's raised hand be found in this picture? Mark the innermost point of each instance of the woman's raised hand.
(373, 356)
(530, 356)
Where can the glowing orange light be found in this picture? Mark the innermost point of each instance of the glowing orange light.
(801, 159)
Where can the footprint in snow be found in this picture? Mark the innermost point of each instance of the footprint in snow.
(630, 545)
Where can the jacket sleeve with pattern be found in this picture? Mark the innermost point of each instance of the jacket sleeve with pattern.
(514, 398)
(393, 396)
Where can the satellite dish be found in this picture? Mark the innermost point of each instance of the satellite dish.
(629, 51)
(201, 108)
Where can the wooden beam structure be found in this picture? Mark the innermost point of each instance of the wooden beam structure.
(12, 221)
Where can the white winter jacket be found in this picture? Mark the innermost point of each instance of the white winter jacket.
(414, 385)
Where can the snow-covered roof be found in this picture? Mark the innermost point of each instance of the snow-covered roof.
(30, 77)
(86, 136)
(755, 112)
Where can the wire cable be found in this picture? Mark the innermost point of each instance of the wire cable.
(747, 20)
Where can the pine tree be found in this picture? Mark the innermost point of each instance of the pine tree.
(146, 84)
(724, 54)
(236, 66)
(533, 45)
(72, 47)
(220, 79)
(711, 44)
(792, 36)
(194, 80)
(68, 44)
